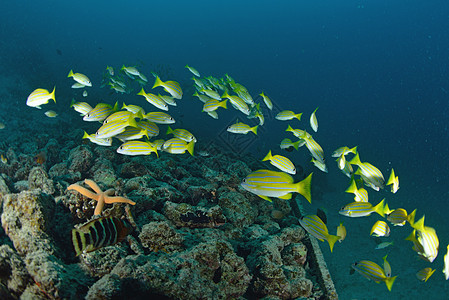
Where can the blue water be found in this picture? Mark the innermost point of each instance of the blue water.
(378, 71)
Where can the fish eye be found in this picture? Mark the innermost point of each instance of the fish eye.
(244, 180)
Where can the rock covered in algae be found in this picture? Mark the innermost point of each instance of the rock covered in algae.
(38, 178)
(160, 236)
(186, 215)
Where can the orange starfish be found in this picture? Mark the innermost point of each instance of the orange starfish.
(99, 196)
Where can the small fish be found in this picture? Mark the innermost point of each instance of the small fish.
(143, 79)
(133, 108)
(80, 78)
(213, 104)
(383, 245)
(39, 97)
(178, 146)
(380, 228)
(287, 144)
(213, 114)
(446, 264)
(344, 151)
(374, 272)
(110, 70)
(154, 99)
(319, 164)
(203, 98)
(371, 175)
(132, 133)
(193, 70)
(296, 132)
(82, 107)
(428, 238)
(286, 115)
(203, 153)
(425, 274)
(315, 226)
(394, 181)
(266, 183)
(242, 128)
(398, 217)
(51, 114)
(168, 99)
(182, 134)
(78, 85)
(281, 162)
(41, 157)
(362, 209)
(387, 266)
(151, 128)
(267, 101)
(211, 93)
(159, 117)
(341, 232)
(85, 94)
(314, 121)
(314, 148)
(99, 233)
(137, 148)
(130, 71)
(171, 87)
(117, 88)
(95, 140)
(237, 103)
(3, 159)
(360, 194)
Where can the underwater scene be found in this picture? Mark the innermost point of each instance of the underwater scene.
(224, 149)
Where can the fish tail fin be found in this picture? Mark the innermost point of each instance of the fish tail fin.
(145, 133)
(254, 129)
(124, 106)
(411, 237)
(169, 130)
(79, 240)
(298, 116)
(142, 92)
(225, 95)
(190, 147)
(355, 160)
(296, 145)
(353, 150)
(52, 94)
(332, 239)
(411, 217)
(352, 187)
(389, 282)
(85, 135)
(380, 208)
(115, 107)
(223, 103)
(157, 82)
(70, 74)
(132, 122)
(304, 188)
(289, 128)
(419, 225)
(268, 156)
(73, 102)
(391, 178)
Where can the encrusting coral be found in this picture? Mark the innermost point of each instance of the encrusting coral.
(99, 196)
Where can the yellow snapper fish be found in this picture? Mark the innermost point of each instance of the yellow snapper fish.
(39, 97)
(362, 209)
(132, 133)
(314, 121)
(78, 85)
(371, 175)
(399, 216)
(316, 227)
(82, 107)
(133, 108)
(159, 117)
(122, 115)
(151, 128)
(428, 238)
(171, 87)
(211, 93)
(296, 132)
(130, 70)
(137, 148)
(387, 266)
(182, 134)
(51, 114)
(110, 70)
(360, 194)
(446, 264)
(213, 104)
(266, 183)
(80, 78)
(314, 148)
(95, 140)
(242, 128)
(159, 143)
(341, 232)
(213, 114)
(380, 228)
(168, 99)
(394, 181)
(154, 99)
(100, 112)
(286, 115)
(287, 144)
(267, 101)
(203, 98)
(113, 128)
(374, 272)
(117, 88)
(344, 151)
(178, 146)
(237, 103)
(281, 162)
(193, 71)
(424, 274)
(319, 164)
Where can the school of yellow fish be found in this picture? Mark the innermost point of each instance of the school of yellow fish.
(137, 130)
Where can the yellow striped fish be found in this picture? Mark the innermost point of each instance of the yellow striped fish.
(130, 70)
(203, 98)
(213, 104)
(133, 108)
(39, 97)
(95, 140)
(319, 164)
(287, 144)
(168, 99)
(428, 238)
(296, 132)
(370, 174)
(380, 228)
(360, 195)
(113, 128)
(99, 233)
(151, 128)
(281, 162)
(211, 93)
(374, 272)
(137, 148)
(100, 112)
(78, 85)
(119, 116)
(344, 151)
(242, 128)
(159, 117)
(316, 227)
(387, 266)
(237, 103)
(398, 217)
(266, 183)
(178, 146)
(132, 133)
(213, 114)
(193, 71)
(153, 99)
(286, 115)
(82, 107)
(182, 134)
(362, 209)
(80, 78)
(314, 121)
(341, 232)
(424, 274)
(314, 148)
(267, 101)
(394, 181)
(171, 87)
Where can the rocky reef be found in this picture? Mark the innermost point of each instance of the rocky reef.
(197, 233)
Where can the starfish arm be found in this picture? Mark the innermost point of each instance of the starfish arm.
(83, 191)
(118, 200)
(109, 192)
(93, 186)
(100, 204)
